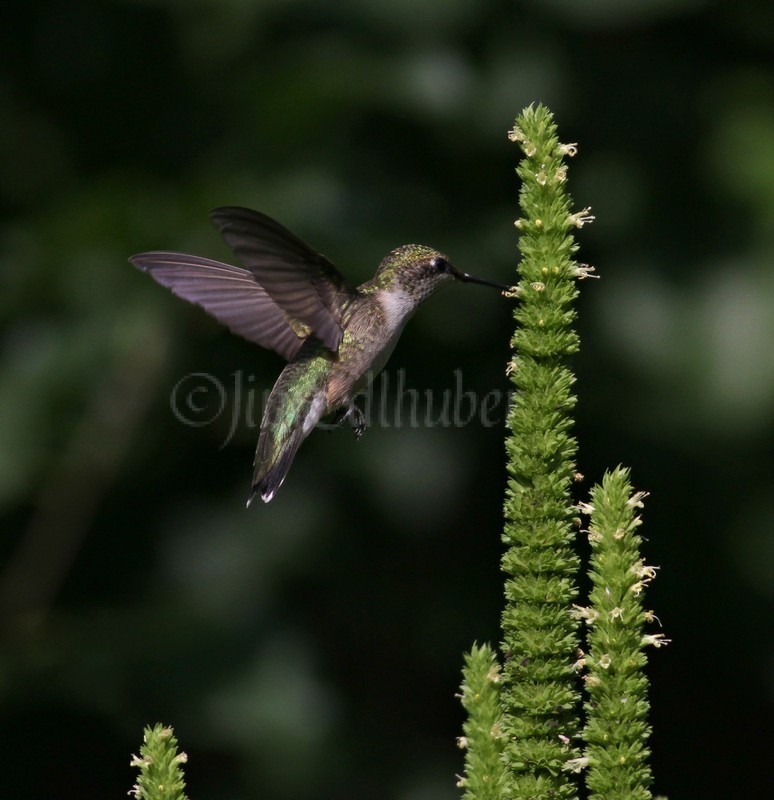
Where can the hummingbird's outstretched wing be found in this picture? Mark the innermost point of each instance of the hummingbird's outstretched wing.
(303, 283)
(230, 294)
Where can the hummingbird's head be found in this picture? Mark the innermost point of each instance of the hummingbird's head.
(419, 271)
(415, 269)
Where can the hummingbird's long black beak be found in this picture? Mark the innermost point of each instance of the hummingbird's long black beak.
(467, 278)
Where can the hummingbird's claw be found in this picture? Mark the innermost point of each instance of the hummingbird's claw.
(359, 427)
(355, 416)
(358, 420)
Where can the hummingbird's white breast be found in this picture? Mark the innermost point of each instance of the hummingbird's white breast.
(398, 306)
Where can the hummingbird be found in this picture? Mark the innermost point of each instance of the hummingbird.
(291, 299)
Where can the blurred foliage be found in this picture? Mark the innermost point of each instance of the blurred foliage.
(311, 648)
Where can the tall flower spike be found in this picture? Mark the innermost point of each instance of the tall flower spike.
(159, 762)
(485, 775)
(540, 636)
(617, 731)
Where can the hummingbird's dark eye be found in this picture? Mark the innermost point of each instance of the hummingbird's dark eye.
(439, 264)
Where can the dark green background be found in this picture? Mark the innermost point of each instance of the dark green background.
(311, 648)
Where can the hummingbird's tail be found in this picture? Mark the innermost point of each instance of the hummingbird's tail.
(283, 428)
(268, 477)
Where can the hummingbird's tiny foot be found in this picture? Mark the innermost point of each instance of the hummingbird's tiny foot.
(358, 420)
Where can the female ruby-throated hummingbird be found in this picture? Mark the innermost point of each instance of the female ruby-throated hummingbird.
(293, 300)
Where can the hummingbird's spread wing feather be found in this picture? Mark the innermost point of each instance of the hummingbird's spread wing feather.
(230, 294)
(299, 280)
